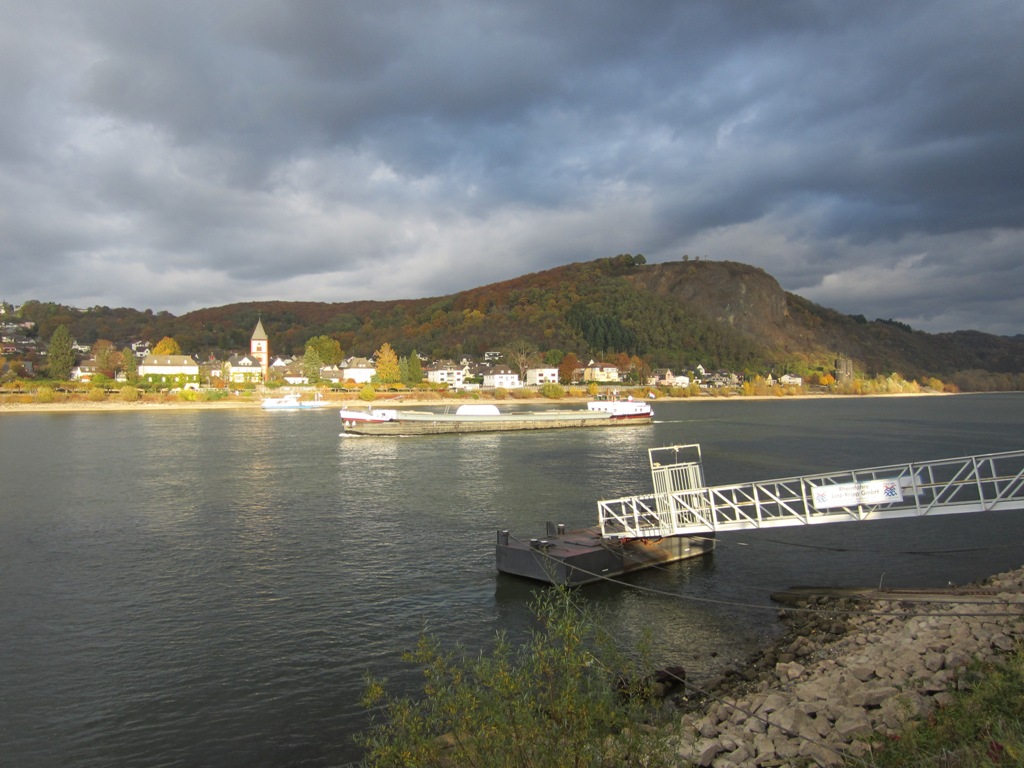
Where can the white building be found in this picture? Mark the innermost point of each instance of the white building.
(450, 376)
(535, 377)
(601, 372)
(358, 370)
(502, 376)
(170, 370)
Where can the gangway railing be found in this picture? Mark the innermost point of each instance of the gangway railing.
(682, 505)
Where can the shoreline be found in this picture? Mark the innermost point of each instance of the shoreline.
(116, 406)
(847, 674)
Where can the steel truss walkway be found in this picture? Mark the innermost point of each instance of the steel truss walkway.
(682, 505)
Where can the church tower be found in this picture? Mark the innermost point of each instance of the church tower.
(259, 347)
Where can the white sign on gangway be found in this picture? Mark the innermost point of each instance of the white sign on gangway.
(854, 494)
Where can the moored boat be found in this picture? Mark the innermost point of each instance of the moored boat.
(292, 402)
(288, 402)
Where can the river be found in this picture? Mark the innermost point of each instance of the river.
(196, 588)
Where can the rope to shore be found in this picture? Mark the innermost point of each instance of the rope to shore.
(909, 614)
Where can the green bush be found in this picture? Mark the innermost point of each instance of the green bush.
(45, 394)
(561, 699)
(96, 395)
(552, 391)
(130, 394)
(367, 393)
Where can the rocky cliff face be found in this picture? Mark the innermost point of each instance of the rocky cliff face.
(741, 296)
(753, 303)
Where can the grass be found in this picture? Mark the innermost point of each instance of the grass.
(982, 726)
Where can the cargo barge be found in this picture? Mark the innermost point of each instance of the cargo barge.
(472, 418)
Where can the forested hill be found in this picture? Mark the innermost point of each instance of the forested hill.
(717, 313)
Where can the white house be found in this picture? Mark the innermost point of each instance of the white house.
(170, 370)
(663, 377)
(502, 376)
(451, 376)
(85, 371)
(535, 377)
(244, 369)
(358, 370)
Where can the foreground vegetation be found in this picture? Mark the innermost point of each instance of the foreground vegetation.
(569, 697)
(983, 726)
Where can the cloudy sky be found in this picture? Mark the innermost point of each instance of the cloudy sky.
(178, 155)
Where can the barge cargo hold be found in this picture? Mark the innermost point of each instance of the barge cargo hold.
(487, 418)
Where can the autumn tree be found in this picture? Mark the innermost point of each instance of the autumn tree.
(130, 365)
(387, 365)
(567, 368)
(521, 356)
(167, 346)
(108, 359)
(61, 354)
(642, 368)
(327, 348)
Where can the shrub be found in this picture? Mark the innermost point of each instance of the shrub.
(367, 393)
(500, 393)
(45, 394)
(96, 395)
(130, 394)
(566, 697)
(552, 391)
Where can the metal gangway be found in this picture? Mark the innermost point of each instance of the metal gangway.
(682, 505)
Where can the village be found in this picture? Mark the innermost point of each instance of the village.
(258, 368)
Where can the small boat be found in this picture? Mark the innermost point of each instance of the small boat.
(289, 402)
(489, 418)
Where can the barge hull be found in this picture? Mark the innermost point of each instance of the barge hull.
(444, 427)
(583, 556)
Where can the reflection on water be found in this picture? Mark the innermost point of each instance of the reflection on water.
(212, 587)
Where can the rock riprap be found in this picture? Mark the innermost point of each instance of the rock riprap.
(846, 672)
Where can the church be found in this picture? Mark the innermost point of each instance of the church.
(253, 367)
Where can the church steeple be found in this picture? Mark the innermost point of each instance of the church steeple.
(259, 347)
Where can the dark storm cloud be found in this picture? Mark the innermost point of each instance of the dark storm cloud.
(173, 156)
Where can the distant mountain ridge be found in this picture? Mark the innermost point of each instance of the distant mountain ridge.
(720, 314)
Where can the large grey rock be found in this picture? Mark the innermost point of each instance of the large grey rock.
(872, 696)
(852, 724)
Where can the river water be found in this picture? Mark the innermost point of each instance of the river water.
(211, 587)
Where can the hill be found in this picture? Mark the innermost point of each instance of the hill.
(720, 314)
